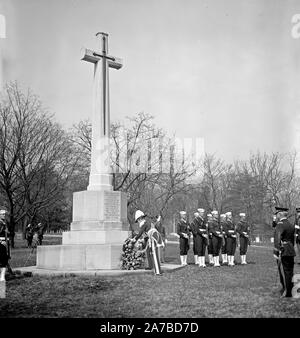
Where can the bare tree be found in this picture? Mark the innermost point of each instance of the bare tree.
(141, 163)
(37, 157)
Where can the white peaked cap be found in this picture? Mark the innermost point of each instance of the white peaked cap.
(3, 212)
(182, 213)
(228, 213)
(223, 215)
(138, 214)
(209, 215)
(201, 210)
(215, 212)
(196, 214)
(242, 214)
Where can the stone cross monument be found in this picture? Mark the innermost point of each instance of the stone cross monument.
(100, 178)
(99, 225)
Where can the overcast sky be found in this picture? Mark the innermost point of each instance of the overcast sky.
(225, 70)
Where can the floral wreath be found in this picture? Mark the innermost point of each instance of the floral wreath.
(133, 256)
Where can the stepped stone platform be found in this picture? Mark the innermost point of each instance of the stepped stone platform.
(34, 271)
(96, 236)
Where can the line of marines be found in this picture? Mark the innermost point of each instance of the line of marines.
(217, 235)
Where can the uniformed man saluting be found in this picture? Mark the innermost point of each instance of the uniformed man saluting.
(184, 235)
(284, 251)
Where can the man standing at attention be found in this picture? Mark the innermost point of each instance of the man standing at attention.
(184, 234)
(224, 240)
(284, 252)
(243, 230)
(231, 238)
(216, 238)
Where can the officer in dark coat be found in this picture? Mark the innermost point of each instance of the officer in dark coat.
(231, 238)
(243, 229)
(184, 234)
(216, 237)
(284, 252)
(224, 240)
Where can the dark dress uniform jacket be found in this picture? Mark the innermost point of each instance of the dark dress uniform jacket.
(284, 239)
(183, 228)
(162, 230)
(215, 228)
(242, 227)
(230, 229)
(200, 226)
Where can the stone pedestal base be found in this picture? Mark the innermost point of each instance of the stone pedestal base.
(94, 237)
(98, 231)
(79, 257)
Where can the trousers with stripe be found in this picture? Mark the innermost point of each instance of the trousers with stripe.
(210, 246)
(224, 249)
(286, 271)
(183, 246)
(153, 257)
(216, 245)
(243, 245)
(200, 246)
(231, 246)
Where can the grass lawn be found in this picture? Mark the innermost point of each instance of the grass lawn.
(240, 291)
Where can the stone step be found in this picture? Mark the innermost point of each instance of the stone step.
(79, 257)
(98, 225)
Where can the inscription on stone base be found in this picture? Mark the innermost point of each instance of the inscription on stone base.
(112, 206)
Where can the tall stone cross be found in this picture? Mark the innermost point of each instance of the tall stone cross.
(100, 177)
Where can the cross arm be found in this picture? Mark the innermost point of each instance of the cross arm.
(91, 56)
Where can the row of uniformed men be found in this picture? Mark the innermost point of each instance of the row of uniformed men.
(217, 234)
